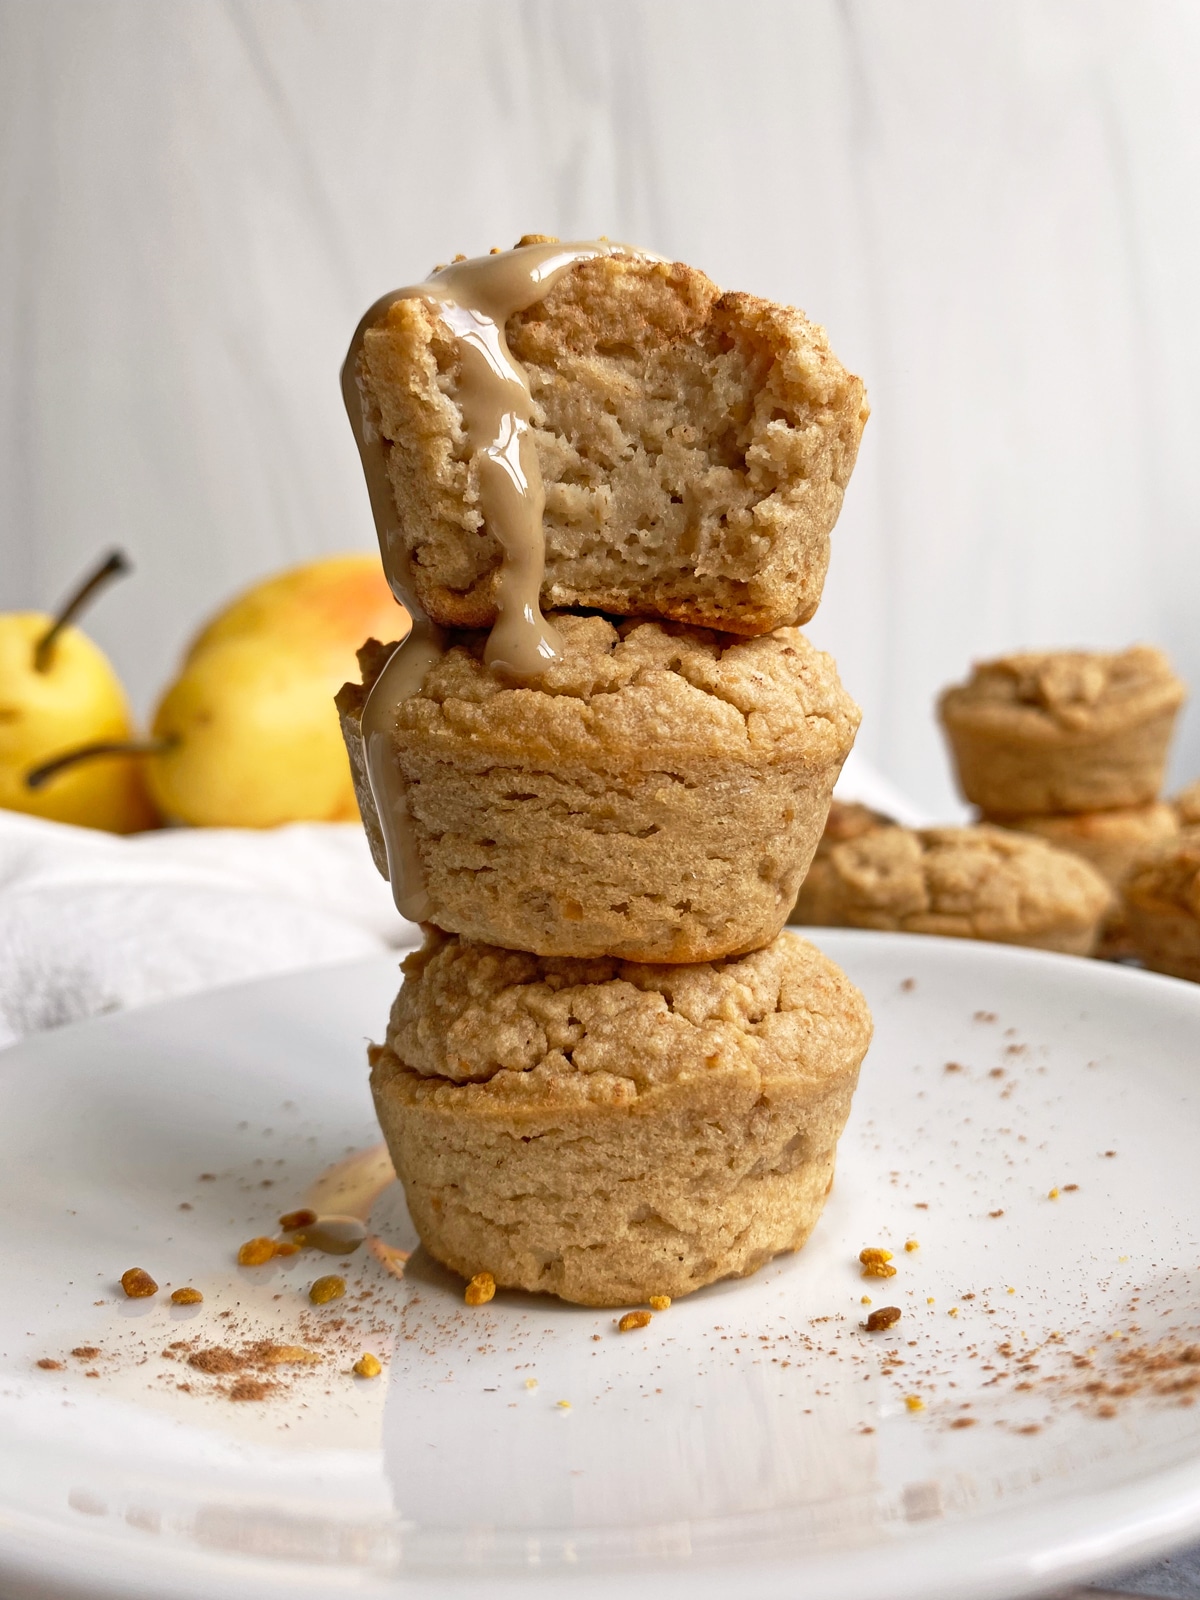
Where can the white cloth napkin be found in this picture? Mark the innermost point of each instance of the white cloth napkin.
(92, 923)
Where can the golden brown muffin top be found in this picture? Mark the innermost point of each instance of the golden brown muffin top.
(626, 690)
(1065, 691)
(1169, 880)
(605, 1029)
(994, 883)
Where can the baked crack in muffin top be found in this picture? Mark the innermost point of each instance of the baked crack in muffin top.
(526, 1025)
(648, 694)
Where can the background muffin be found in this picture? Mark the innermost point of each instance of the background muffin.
(819, 901)
(1063, 730)
(1162, 907)
(605, 1130)
(1110, 841)
(658, 796)
(694, 446)
(1186, 805)
(967, 883)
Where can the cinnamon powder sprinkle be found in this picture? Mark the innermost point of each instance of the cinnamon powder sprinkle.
(250, 1389)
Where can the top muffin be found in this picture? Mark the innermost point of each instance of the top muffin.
(694, 447)
(1064, 730)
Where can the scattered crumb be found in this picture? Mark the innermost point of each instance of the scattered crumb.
(660, 1302)
(875, 1262)
(531, 1383)
(632, 1320)
(563, 1405)
(913, 1402)
(885, 1317)
(256, 1252)
(138, 1284)
(912, 1244)
(85, 1352)
(284, 1355)
(1053, 1195)
(368, 1366)
(328, 1288)
(480, 1290)
(186, 1297)
(50, 1366)
(291, 1220)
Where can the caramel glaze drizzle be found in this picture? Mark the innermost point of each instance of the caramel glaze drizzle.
(474, 299)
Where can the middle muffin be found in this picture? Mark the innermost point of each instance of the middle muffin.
(656, 797)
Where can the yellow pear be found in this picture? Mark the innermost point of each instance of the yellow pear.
(58, 691)
(249, 731)
(340, 601)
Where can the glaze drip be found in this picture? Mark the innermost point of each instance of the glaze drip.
(474, 299)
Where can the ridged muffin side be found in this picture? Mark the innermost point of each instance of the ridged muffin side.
(605, 1130)
(657, 796)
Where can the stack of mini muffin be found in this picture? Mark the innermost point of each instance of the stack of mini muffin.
(1071, 746)
(608, 1075)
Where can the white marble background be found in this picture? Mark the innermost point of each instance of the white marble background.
(993, 208)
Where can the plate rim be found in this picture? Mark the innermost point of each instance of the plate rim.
(1077, 1536)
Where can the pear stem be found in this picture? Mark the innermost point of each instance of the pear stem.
(40, 776)
(114, 565)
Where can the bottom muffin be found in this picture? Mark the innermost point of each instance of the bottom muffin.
(605, 1130)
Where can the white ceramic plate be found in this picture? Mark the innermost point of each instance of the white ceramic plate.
(752, 1439)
